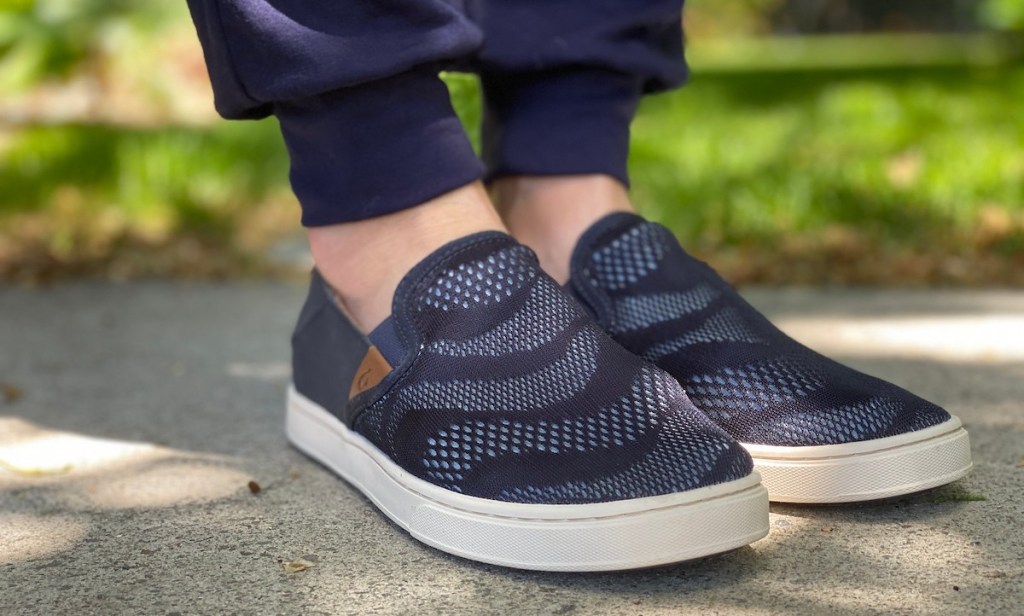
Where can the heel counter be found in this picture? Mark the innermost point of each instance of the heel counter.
(327, 350)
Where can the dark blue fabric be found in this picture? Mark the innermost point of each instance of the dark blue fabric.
(503, 388)
(641, 38)
(566, 122)
(759, 384)
(385, 338)
(260, 52)
(352, 84)
(375, 149)
(561, 80)
(327, 349)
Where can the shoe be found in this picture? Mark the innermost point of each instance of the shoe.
(491, 418)
(818, 431)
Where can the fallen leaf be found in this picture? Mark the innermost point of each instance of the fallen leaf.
(10, 393)
(26, 471)
(255, 487)
(294, 566)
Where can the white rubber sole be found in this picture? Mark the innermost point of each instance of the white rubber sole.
(617, 535)
(866, 470)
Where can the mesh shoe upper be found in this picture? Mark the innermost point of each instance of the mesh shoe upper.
(743, 372)
(509, 391)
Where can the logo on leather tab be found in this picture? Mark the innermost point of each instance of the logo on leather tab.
(371, 371)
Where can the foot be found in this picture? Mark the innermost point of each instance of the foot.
(364, 260)
(492, 419)
(817, 430)
(550, 213)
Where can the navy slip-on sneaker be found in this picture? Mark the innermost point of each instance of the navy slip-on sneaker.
(493, 419)
(818, 431)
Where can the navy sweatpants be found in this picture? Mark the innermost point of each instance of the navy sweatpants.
(368, 123)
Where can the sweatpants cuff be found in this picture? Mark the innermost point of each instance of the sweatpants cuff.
(566, 122)
(375, 149)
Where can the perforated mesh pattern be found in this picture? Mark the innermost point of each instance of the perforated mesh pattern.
(750, 378)
(491, 279)
(556, 382)
(461, 445)
(628, 258)
(752, 388)
(642, 311)
(727, 325)
(854, 422)
(544, 316)
(701, 456)
(688, 457)
(537, 405)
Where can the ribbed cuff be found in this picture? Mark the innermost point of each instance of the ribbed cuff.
(375, 149)
(566, 122)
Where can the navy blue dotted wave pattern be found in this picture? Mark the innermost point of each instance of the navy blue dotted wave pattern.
(525, 399)
(757, 383)
(538, 321)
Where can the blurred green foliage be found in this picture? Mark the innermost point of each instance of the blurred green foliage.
(44, 39)
(881, 176)
(732, 18)
(185, 177)
(1003, 14)
(777, 175)
(907, 155)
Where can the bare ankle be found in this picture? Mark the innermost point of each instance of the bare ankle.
(365, 260)
(550, 213)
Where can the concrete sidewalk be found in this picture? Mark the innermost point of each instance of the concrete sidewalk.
(133, 417)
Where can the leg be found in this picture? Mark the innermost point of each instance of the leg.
(561, 84)
(379, 158)
(487, 413)
(549, 213)
(818, 431)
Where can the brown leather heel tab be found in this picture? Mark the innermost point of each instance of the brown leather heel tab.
(370, 372)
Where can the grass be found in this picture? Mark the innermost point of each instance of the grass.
(883, 176)
(182, 172)
(783, 152)
(93, 199)
(828, 170)
(956, 494)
